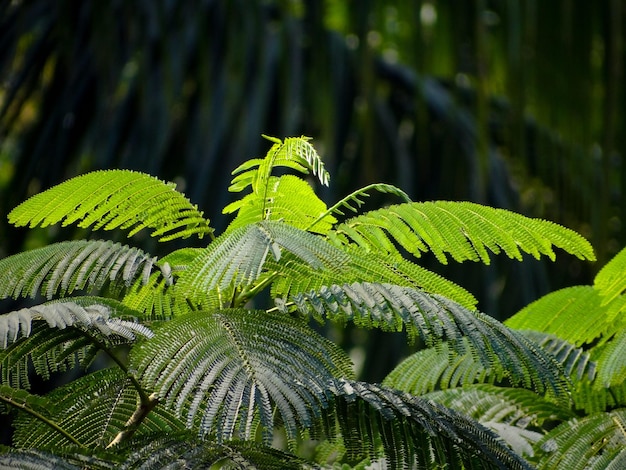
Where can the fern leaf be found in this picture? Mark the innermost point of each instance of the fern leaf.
(439, 368)
(222, 369)
(576, 314)
(576, 362)
(488, 403)
(368, 414)
(464, 230)
(38, 460)
(66, 314)
(294, 152)
(288, 199)
(181, 450)
(297, 277)
(594, 442)
(611, 366)
(611, 279)
(355, 200)
(435, 319)
(65, 267)
(21, 399)
(511, 413)
(115, 199)
(94, 407)
(80, 327)
(239, 256)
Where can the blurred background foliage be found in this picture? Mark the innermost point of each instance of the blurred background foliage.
(516, 104)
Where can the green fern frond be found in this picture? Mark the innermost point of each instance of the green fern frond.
(589, 397)
(576, 361)
(113, 199)
(288, 199)
(239, 257)
(11, 399)
(58, 336)
(31, 459)
(297, 277)
(464, 230)
(412, 432)
(225, 370)
(513, 406)
(611, 364)
(512, 413)
(295, 153)
(439, 368)
(576, 314)
(65, 267)
(182, 450)
(593, 442)
(434, 319)
(611, 279)
(93, 408)
(355, 200)
(66, 314)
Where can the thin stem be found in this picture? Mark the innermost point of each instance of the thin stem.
(133, 423)
(41, 418)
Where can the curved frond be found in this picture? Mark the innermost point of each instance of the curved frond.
(513, 406)
(593, 442)
(435, 319)
(228, 369)
(65, 267)
(183, 450)
(611, 279)
(59, 335)
(37, 460)
(439, 368)
(239, 257)
(576, 361)
(111, 199)
(514, 414)
(576, 314)
(464, 230)
(611, 364)
(288, 199)
(94, 409)
(62, 315)
(297, 277)
(411, 432)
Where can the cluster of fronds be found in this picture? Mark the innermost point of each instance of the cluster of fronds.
(187, 356)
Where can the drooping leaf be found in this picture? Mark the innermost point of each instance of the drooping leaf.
(410, 432)
(187, 451)
(434, 319)
(60, 335)
(440, 368)
(65, 267)
(94, 409)
(596, 442)
(61, 315)
(111, 199)
(225, 370)
(464, 230)
(297, 277)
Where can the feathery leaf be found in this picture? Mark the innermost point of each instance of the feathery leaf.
(65, 267)
(112, 199)
(225, 369)
(462, 229)
(435, 319)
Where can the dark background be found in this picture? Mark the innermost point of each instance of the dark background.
(513, 104)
